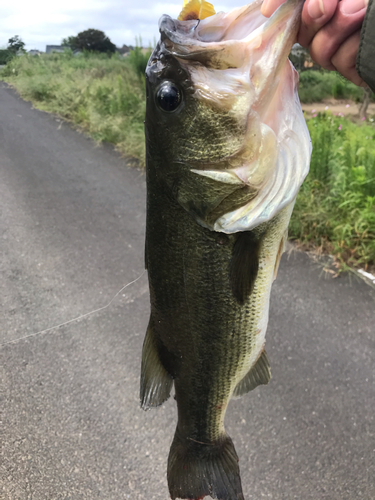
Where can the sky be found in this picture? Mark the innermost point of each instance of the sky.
(40, 22)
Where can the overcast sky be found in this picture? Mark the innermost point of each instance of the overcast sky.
(40, 22)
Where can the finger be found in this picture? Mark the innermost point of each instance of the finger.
(345, 59)
(347, 19)
(269, 7)
(315, 14)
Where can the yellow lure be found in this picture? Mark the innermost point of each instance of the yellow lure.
(196, 9)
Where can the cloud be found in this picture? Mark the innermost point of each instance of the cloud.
(40, 23)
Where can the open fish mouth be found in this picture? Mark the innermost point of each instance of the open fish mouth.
(237, 63)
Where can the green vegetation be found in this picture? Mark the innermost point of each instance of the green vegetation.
(92, 40)
(318, 85)
(138, 59)
(15, 45)
(5, 56)
(102, 95)
(335, 209)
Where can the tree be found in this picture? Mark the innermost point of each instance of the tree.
(70, 42)
(5, 56)
(15, 44)
(91, 39)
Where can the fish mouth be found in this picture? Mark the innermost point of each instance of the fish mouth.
(233, 35)
(238, 62)
(231, 54)
(234, 25)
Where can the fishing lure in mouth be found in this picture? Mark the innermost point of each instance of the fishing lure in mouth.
(196, 9)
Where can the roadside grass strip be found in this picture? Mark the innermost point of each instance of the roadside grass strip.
(105, 96)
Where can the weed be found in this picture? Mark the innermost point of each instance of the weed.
(104, 95)
(335, 208)
(138, 58)
(318, 85)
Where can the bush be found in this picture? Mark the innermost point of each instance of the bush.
(138, 58)
(338, 90)
(5, 56)
(101, 94)
(335, 208)
(318, 85)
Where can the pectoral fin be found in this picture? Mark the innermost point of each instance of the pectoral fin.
(244, 265)
(259, 374)
(201, 194)
(156, 383)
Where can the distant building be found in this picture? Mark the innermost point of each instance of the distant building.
(54, 48)
(124, 50)
(127, 49)
(34, 52)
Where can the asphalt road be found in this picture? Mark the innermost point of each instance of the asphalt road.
(72, 222)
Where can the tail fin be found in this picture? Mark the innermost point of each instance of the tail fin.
(196, 469)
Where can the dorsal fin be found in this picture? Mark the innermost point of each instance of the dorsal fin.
(196, 9)
(244, 265)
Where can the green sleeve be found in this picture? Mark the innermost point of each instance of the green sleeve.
(366, 52)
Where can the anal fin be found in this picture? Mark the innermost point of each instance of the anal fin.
(259, 374)
(156, 383)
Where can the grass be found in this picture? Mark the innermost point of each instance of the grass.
(318, 85)
(102, 95)
(335, 208)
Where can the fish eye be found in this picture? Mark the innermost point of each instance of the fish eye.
(168, 96)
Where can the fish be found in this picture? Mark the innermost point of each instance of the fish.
(227, 149)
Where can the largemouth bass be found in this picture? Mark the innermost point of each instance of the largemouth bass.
(227, 150)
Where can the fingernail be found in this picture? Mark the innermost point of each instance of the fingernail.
(264, 6)
(353, 6)
(315, 8)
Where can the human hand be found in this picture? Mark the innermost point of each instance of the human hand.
(330, 29)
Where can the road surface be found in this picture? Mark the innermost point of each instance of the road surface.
(72, 222)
